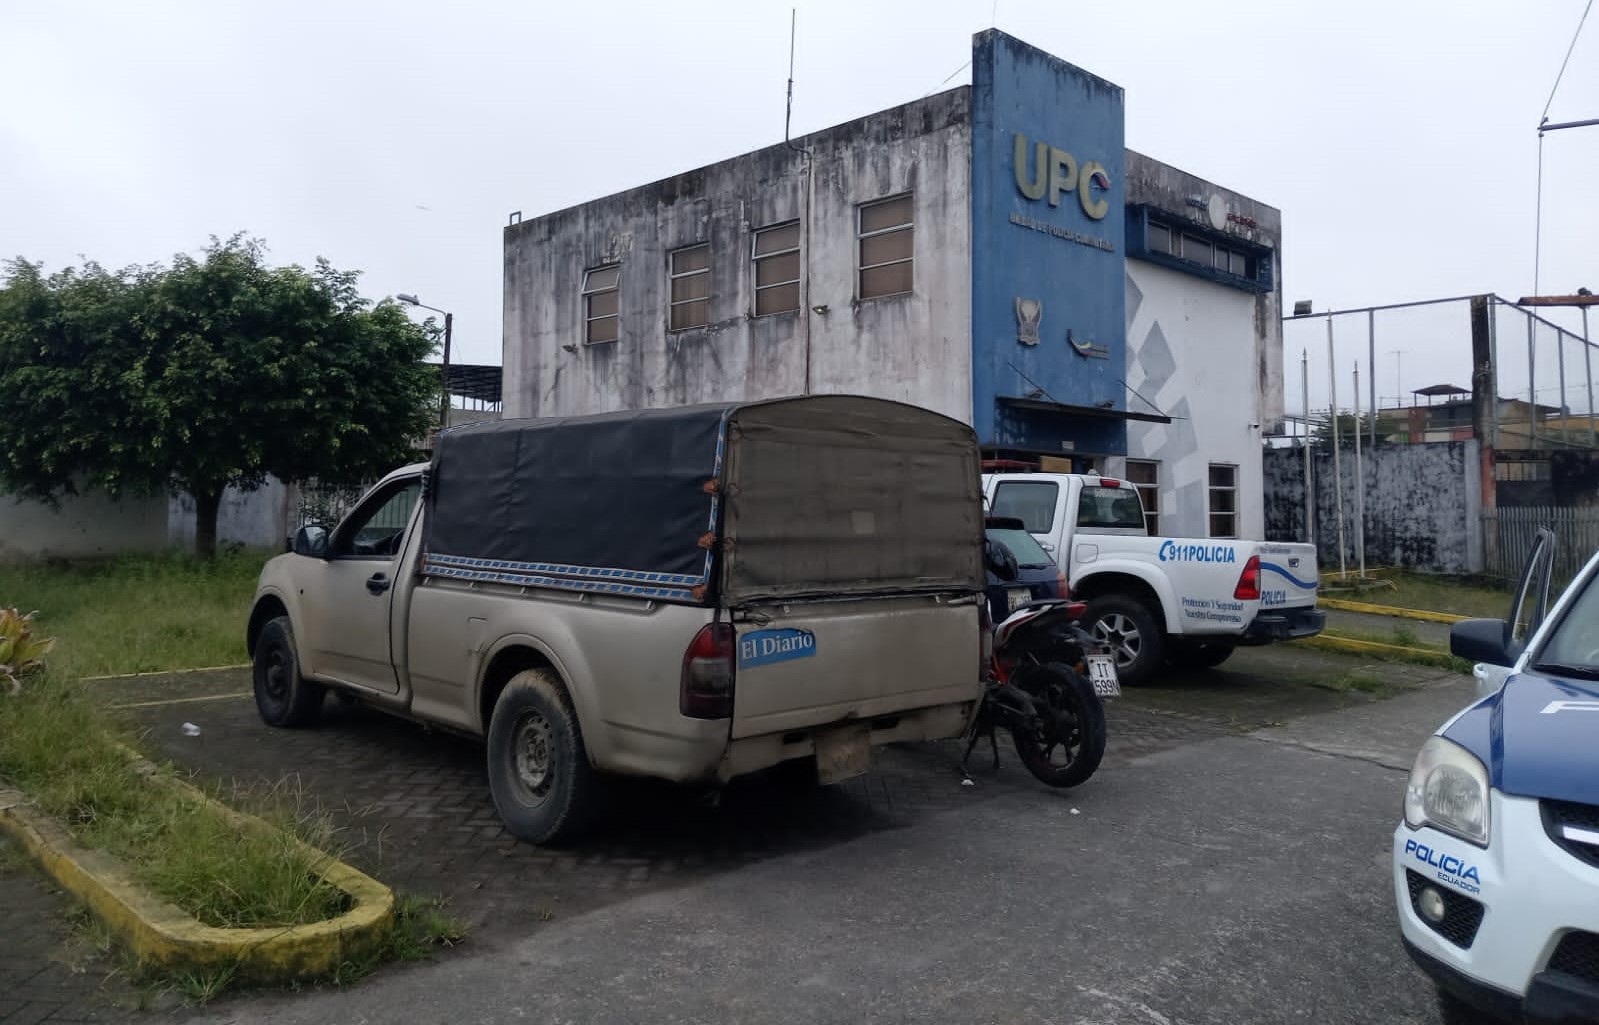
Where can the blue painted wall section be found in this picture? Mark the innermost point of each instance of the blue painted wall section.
(1050, 232)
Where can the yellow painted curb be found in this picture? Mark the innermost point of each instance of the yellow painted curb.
(1390, 610)
(162, 934)
(1351, 645)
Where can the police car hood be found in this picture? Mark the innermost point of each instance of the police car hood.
(1539, 737)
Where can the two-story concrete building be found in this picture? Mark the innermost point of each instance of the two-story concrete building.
(993, 252)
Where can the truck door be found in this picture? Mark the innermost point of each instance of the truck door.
(346, 605)
(1040, 505)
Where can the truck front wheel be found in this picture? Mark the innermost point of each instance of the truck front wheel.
(282, 696)
(1132, 633)
(539, 772)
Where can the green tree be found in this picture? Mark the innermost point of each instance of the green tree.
(212, 372)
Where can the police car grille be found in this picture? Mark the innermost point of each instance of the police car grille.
(1559, 814)
(1577, 954)
(1462, 915)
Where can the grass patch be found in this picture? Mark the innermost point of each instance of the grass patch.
(1359, 681)
(139, 613)
(57, 749)
(1461, 596)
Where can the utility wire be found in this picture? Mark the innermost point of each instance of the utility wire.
(1537, 243)
(1563, 63)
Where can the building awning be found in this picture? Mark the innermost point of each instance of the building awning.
(477, 381)
(1098, 412)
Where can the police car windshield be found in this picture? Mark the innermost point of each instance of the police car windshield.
(1573, 645)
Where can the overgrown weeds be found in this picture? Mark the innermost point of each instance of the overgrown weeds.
(139, 613)
(57, 749)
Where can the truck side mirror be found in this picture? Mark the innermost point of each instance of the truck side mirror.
(311, 541)
(1481, 640)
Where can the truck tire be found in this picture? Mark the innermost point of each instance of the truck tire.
(1132, 632)
(1198, 654)
(282, 696)
(539, 773)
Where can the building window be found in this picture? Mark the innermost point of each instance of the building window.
(887, 246)
(1144, 475)
(1032, 502)
(1223, 500)
(777, 269)
(1185, 245)
(690, 272)
(600, 322)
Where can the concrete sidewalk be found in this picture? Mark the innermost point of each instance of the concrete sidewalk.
(1382, 628)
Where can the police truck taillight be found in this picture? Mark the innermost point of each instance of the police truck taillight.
(707, 687)
(1248, 588)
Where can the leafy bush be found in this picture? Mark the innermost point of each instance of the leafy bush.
(21, 651)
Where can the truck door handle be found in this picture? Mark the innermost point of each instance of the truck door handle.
(377, 583)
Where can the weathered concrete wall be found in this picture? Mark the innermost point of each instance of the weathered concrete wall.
(913, 348)
(1186, 197)
(255, 519)
(89, 524)
(1423, 505)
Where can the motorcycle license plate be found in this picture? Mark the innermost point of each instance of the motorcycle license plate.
(1102, 674)
(1017, 597)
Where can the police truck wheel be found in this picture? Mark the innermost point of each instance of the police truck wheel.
(539, 773)
(1131, 631)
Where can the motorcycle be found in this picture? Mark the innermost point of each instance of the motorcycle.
(1044, 679)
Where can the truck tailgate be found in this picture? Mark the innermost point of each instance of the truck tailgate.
(813, 663)
(1288, 576)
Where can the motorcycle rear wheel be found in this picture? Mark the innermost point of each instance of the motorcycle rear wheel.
(1063, 747)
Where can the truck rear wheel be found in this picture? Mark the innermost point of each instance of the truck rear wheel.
(1132, 633)
(539, 772)
(282, 696)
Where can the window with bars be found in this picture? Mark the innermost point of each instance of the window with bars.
(776, 253)
(1169, 241)
(689, 270)
(887, 248)
(1223, 500)
(1144, 474)
(600, 294)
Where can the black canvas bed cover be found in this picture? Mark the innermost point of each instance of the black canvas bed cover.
(730, 503)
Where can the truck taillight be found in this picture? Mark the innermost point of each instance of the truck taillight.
(1109, 482)
(707, 688)
(1248, 588)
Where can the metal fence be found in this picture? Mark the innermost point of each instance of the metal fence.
(1510, 532)
(316, 502)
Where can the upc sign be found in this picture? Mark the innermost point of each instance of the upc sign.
(1054, 172)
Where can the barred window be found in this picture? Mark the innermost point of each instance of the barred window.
(887, 247)
(777, 269)
(600, 296)
(690, 274)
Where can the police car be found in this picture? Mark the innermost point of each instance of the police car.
(1496, 863)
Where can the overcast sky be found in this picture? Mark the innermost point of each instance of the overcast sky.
(395, 138)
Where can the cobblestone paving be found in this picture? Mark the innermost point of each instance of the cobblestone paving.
(49, 971)
(415, 810)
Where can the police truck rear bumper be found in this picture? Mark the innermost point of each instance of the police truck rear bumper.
(1284, 625)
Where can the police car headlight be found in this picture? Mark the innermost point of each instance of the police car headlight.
(1448, 790)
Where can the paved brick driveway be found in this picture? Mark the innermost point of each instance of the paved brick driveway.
(414, 809)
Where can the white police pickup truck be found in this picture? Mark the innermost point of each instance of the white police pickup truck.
(1189, 601)
(1496, 861)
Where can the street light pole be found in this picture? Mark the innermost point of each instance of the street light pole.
(444, 370)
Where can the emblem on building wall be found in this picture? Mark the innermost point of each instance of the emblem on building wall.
(1028, 314)
(1086, 349)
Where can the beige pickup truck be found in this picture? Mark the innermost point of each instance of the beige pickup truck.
(691, 594)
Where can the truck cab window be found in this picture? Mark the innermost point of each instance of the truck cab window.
(377, 528)
(1032, 502)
